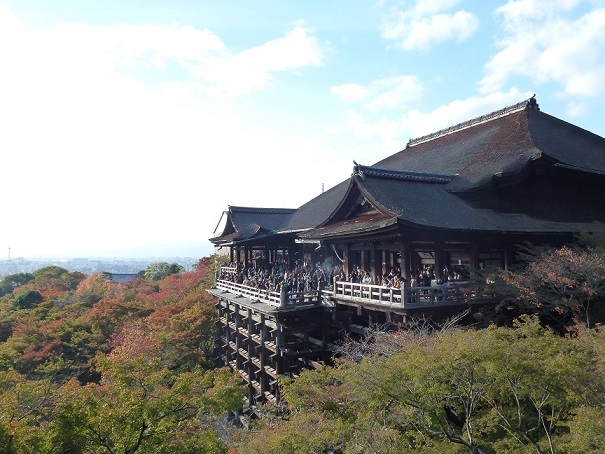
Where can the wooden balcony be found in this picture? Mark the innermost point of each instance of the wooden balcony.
(405, 297)
(274, 299)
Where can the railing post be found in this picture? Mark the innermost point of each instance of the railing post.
(283, 295)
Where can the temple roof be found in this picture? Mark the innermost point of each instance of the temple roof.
(502, 143)
(426, 205)
(422, 184)
(245, 223)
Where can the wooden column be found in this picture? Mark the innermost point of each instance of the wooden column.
(439, 260)
(474, 258)
(406, 260)
(346, 253)
(245, 253)
(251, 374)
(508, 257)
(373, 254)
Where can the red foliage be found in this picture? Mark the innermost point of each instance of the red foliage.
(134, 339)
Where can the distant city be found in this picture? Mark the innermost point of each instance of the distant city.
(91, 265)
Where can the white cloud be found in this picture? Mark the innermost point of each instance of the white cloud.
(375, 99)
(389, 93)
(576, 109)
(395, 92)
(252, 69)
(428, 24)
(350, 92)
(546, 42)
(111, 140)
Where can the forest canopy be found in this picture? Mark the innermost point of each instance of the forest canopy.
(92, 366)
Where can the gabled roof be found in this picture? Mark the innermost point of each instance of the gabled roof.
(423, 201)
(419, 185)
(246, 223)
(317, 209)
(504, 142)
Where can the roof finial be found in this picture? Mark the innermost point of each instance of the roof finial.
(532, 103)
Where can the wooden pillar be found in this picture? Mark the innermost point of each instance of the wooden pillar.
(250, 350)
(474, 258)
(238, 255)
(439, 260)
(279, 342)
(231, 254)
(383, 255)
(406, 261)
(373, 254)
(508, 257)
(347, 262)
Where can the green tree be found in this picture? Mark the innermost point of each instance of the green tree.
(24, 408)
(521, 389)
(28, 299)
(11, 282)
(159, 270)
(140, 407)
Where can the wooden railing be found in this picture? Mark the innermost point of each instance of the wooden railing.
(271, 298)
(229, 269)
(406, 297)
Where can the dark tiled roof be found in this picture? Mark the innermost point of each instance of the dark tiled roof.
(318, 209)
(360, 225)
(500, 144)
(431, 205)
(567, 143)
(418, 184)
(251, 222)
(475, 154)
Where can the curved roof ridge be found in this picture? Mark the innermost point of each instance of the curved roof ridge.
(405, 175)
(530, 103)
(261, 210)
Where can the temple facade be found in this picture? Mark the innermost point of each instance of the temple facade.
(459, 200)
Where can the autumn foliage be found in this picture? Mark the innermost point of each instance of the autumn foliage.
(90, 366)
(108, 367)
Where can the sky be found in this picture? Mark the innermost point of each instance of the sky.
(130, 124)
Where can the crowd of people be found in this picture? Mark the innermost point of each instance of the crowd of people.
(301, 278)
(304, 278)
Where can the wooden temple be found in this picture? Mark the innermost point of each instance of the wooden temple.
(458, 200)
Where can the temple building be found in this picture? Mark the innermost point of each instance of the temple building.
(458, 200)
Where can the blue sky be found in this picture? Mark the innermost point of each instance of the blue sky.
(126, 124)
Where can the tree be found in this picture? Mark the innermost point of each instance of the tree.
(24, 409)
(521, 389)
(159, 270)
(28, 299)
(140, 407)
(11, 282)
(562, 280)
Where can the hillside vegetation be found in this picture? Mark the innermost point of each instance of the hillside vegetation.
(91, 366)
